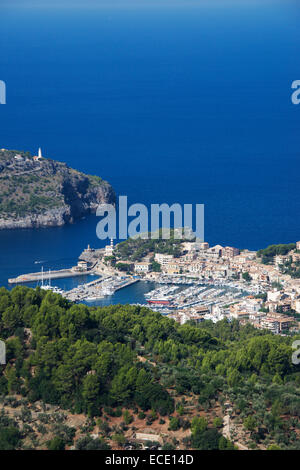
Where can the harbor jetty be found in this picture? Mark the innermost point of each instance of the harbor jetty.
(44, 275)
(99, 288)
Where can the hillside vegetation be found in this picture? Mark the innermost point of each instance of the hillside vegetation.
(87, 360)
(267, 254)
(134, 249)
(31, 189)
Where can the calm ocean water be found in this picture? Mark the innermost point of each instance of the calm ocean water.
(185, 105)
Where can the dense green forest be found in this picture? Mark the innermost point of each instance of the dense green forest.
(134, 249)
(86, 360)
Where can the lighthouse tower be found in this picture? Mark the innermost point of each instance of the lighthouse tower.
(109, 249)
(39, 156)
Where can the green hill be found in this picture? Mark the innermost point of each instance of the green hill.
(100, 361)
(45, 192)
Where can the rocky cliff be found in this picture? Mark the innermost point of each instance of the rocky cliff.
(43, 192)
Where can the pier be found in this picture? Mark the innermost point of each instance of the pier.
(39, 276)
(126, 284)
(98, 288)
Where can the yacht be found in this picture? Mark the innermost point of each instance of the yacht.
(106, 290)
(48, 286)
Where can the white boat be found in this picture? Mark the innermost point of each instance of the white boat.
(91, 299)
(108, 291)
(48, 287)
(57, 290)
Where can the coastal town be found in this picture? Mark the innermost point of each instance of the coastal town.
(199, 283)
(193, 281)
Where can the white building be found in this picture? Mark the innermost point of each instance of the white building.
(142, 267)
(297, 305)
(39, 156)
(270, 324)
(274, 296)
(163, 259)
(82, 265)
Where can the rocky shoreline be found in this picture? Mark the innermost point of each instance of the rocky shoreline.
(68, 195)
(68, 213)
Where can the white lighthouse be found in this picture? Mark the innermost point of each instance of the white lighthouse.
(109, 249)
(39, 156)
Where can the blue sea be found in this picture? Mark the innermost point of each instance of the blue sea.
(188, 104)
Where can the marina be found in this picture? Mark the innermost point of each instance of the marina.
(182, 297)
(162, 297)
(175, 297)
(99, 289)
(167, 294)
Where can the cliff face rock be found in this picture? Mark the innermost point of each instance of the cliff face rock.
(46, 193)
(82, 197)
(51, 218)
